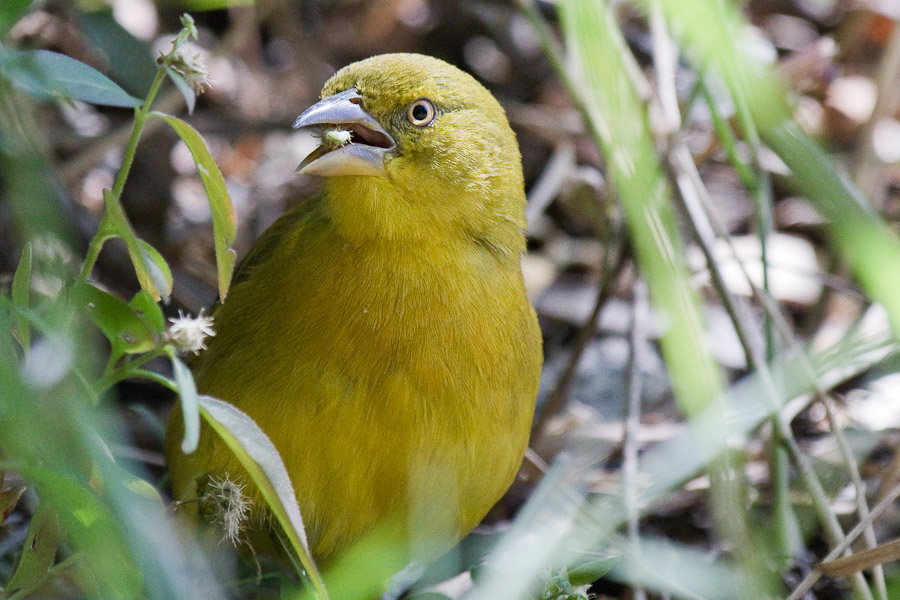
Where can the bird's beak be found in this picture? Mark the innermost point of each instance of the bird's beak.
(353, 142)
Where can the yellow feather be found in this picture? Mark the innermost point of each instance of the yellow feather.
(380, 333)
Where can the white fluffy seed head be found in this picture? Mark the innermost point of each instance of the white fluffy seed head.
(188, 334)
(230, 507)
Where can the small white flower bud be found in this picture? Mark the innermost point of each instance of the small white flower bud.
(188, 334)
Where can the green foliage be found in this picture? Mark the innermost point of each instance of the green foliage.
(156, 282)
(9, 498)
(130, 59)
(591, 570)
(126, 331)
(190, 406)
(148, 311)
(224, 222)
(710, 30)
(47, 75)
(559, 586)
(21, 297)
(118, 543)
(198, 5)
(38, 552)
(10, 12)
(94, 531)
(621, 127)
(108, 564)
(190, 97)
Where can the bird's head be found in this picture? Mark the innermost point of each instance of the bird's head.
(412, 145)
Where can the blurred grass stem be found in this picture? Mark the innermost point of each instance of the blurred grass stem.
(630, 468)
(692, 191)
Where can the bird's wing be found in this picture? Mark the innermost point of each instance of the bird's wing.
(263, 248)
(261, 251)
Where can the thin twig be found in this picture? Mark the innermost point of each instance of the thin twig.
(728, 497)
(862, 507)
(861, 561)
(822, 395)
(633, 420)
(831, 528)
(559, 167)
(890, 478)
(844, 544)
(775, 321)
(691, 195)
(535, 464)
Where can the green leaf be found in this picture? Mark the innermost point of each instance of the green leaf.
(116, 224)
(126, 331)
(223, 218)
(45, 74)
(93, 529)
(589, 572)
(148, 311)
(21, 292)
(190, 407)
(157, 267)
(190, 96)
(10, 13)
(130, 60)
(8, 353)
(258, 455)
(38, 551)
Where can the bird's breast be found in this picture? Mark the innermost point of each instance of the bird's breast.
(425, 310)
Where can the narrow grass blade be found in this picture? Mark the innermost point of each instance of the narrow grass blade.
(21, 296)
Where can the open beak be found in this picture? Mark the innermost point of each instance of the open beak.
(353, 142)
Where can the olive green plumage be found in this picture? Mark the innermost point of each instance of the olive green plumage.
(379, 333)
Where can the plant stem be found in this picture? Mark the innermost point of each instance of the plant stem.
(125, 371)
(93, 252)
(140, 119)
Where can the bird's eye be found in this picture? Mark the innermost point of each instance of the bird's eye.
(420, 113)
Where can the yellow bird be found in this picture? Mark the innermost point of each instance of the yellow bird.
(379, 333)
